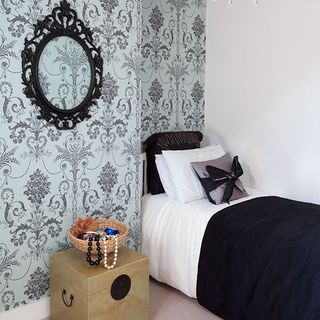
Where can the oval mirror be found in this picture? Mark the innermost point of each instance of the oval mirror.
(62, 68)
(64, 73)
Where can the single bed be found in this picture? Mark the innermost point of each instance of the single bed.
(172, 234)
(253, 258)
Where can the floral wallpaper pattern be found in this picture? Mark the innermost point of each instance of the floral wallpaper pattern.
(49, 177)
(173, 46)
(154, 58)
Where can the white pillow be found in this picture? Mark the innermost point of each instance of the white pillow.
(164, 175)
(187, 186)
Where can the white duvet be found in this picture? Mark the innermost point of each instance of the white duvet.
(172, 234)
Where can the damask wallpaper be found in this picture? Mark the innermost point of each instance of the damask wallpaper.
(49, 177)
(154, 59)
(173, 74)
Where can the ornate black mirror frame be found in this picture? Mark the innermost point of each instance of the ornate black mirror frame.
(63, 21)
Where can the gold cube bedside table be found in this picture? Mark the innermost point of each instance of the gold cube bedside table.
(81, 292)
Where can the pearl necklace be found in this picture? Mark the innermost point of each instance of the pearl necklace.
(115, 257)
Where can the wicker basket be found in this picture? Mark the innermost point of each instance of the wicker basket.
(102, 224)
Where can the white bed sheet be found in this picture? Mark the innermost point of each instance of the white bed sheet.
(172, 234)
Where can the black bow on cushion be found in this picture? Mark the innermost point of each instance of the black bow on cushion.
(219, 177)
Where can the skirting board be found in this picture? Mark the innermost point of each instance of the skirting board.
(34, 311)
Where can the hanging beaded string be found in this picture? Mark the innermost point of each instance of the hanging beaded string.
(115, 257)
(89, 260)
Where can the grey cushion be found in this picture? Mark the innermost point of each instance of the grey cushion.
(216, 196)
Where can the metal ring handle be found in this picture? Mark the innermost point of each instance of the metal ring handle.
(69, 305)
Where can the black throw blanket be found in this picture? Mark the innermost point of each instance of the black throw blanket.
(260, 260)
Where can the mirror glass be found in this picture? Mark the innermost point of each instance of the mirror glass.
(64, 72)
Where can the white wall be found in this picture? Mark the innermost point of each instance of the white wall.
(263, 91)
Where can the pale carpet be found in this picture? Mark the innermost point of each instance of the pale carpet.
(167, 303)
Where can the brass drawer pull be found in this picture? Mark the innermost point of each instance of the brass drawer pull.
(69, 305)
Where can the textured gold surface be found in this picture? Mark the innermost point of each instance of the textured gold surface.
(91, 286)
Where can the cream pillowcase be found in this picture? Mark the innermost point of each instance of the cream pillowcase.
(186, 184)
(164, 175)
